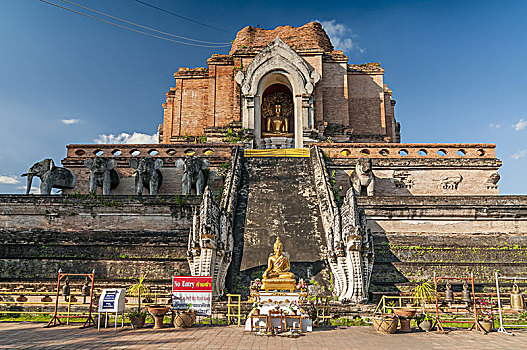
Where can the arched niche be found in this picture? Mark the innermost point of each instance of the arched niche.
(278, 64)
(276, 94)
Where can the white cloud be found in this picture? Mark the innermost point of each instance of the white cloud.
(136, 137)
(340, 35)
(494, 126)
(522, 124)
(520, 154)
(34, 190)
(70, 121)
(9, 180)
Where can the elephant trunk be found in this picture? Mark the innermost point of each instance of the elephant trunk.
(29, 182)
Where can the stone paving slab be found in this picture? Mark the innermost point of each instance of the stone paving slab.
(33, 336)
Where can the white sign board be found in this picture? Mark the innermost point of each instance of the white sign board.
(194, 292)
(112, 300)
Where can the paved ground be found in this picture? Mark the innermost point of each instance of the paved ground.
(33, 336)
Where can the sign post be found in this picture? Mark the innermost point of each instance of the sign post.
(112, 300)
(193, 292)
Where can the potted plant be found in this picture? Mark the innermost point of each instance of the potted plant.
(425, 321)
(256, 308)
(485, 320)
(423, 292)
(137, 318)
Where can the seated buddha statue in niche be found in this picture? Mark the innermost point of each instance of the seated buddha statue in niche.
(277, 125)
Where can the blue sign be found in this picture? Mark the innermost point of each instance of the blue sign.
(109, 300)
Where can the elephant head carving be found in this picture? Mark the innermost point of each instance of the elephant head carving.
(51, 176)
(102, 174)
(147, 174)
(193, 175)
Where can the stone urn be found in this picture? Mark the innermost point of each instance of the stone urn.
(405, 312)
(158, 312)
(184, 319)
(405, 316)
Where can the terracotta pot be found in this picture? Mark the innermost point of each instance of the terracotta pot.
(184, 319)
(486, 325)
(385, 323)
(158, 312)
(426, 325)
(406, 313)
(137, 322)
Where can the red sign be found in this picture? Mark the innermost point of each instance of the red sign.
(192, 284)
(194, 292)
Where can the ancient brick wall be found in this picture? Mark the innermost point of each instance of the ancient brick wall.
(333, 89)
(453, 236)
(419, 169)
(118, 236)
(349, 96)
(366, 103)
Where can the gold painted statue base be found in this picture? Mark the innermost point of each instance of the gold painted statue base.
(279, 284)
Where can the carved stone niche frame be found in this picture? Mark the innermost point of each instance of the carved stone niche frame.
(277, 63)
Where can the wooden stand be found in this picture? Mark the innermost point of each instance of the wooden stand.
(55, 320)
(439, 321)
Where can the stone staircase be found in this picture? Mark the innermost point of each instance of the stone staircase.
(277, 198)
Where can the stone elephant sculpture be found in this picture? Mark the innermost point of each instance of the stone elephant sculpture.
(51, 176)
(147, 174)
(102, 174)
(193, 175)
(362, 178)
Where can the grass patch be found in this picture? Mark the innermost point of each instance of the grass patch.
(344, 321)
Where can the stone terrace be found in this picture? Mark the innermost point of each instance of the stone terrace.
(33, 336)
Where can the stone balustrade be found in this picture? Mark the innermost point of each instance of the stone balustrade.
(212, 150)
(408, 150)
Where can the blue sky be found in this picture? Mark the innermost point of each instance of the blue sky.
(456, 69)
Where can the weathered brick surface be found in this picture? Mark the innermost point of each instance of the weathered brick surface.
(350, 96)
(118, 236)
(455, 236)
(309, 37)
(278, 198)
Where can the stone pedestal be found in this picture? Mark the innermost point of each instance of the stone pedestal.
(277, 142)
(279, 284)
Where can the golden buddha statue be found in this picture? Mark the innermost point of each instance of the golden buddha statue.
(277, 275)
(277, 125)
